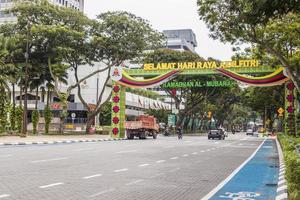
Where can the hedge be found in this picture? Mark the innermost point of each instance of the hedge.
(292, 162)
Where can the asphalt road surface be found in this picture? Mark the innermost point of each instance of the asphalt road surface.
(162, 169)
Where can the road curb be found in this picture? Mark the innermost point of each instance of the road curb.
(58, 142)
(282, 191)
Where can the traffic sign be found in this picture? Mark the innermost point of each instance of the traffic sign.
(280, 110)
(73, 115)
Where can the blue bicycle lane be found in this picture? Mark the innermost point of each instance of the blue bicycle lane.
(257, 179)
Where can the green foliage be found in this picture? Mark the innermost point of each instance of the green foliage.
(145, 93)
(13, 117)
(105, 114)
(3, 114)
(298, 124)
(160, 115)
(19, 118)
(35, 120)
(292, 161)
(291, 125)
(48, 118)
(266, 24)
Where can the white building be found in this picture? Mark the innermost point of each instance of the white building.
(9, 18)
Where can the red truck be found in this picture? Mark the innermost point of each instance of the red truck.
(144, 126)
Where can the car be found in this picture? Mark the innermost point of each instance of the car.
(249, 131)
(217, 133)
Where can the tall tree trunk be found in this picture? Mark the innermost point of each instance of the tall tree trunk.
(36, 97)
(21, 93)
(13, 116)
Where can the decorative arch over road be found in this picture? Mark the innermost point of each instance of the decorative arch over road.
(236, 70)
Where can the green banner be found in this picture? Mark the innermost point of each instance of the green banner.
(199, 84)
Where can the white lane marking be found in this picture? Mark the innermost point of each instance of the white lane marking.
(202, 151)
(5, 156)
(48, 160)
(134, 182)
(213, 148)
(195, 153)
(4, 196)
(160, 161)
(144, 165)
(174, 158)
(92, 176)
(121, 170)
(157, 175)
(129, 151)
(169, 147)
(216, 142)
(103, 192)
(174, 170)
(84, 149)
(216, 189)
(131, 145)
(185, 155)
(50, 185)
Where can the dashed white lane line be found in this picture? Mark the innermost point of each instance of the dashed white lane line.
(103, 192)
(84, 149)
(169, 147)
(121, 170)
(216, 142)
(144, 165)
(174, 170)
(92, 176)
(185, 155)
(160, 161)
(174, 158)
(157, 175)
(48, 160)
(195, 153)
(130, 145)
(50, 185)
(134, 182)
(2, 196)
(202, 151)
(129, 151)
(5, 156)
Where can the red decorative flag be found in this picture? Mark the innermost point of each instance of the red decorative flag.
(290, 98)
(290, 109)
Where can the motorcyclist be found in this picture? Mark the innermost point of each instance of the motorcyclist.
(179, 132)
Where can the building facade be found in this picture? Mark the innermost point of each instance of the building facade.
(10, 18)
(181, 40)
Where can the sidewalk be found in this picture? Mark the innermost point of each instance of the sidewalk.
(43, 139)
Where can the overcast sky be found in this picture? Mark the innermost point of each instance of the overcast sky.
(167, 14)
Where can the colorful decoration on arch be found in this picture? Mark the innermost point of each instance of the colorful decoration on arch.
(275, 78)
(118, 108)
(129, 81)
(290, 97)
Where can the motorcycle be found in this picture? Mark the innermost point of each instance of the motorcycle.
(179, 133)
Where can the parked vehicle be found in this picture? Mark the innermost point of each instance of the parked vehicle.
(144, 126)
(217, 133)
(249, 131)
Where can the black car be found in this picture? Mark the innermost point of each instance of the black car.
(217, 133)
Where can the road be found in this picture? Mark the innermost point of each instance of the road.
(162, 169)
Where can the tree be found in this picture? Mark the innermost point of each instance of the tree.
(116, 37)
(273, 26)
